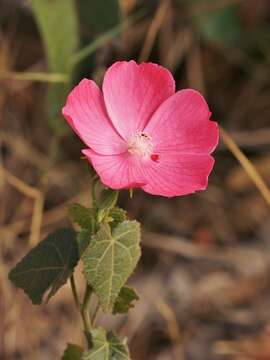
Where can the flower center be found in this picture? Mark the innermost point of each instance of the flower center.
(141, 145)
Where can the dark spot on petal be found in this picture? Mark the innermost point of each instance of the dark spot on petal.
(155, 157)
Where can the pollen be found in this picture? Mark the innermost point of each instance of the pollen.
(140, 144)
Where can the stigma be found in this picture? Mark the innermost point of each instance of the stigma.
(141, 145)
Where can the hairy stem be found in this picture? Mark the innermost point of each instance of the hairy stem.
(85, 314)
(93, 190)
(95, 314)
(74, 291)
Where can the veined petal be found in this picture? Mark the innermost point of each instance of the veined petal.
(181, 125)
(122, 171)
(133, 92)
(86, 113)
(176, 174)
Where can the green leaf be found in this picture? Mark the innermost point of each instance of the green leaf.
(58, 25)
(110, 259)
(116, 216)
(81, 215)
(72, 352)
(84, 217)
(107, 201)
(47, 266)
(106, 346)
(124, 301)
(84, 238)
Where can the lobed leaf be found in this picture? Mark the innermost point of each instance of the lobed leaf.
(107, 201)
(81, 215)
(47, 266)
(110, 259)
(106, 346)
(72, 352)
(124, 301)
(117, 215)
(83, 238)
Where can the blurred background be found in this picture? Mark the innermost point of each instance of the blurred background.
(203, 279)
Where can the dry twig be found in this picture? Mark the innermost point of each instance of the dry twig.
(153, 30)
(33, 193)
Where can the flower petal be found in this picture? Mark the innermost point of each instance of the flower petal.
(86, 113)
(181, 125)
(122, 171)
(133, 92)
(175, 174)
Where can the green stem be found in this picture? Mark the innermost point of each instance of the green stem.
(85, 314)
(74, 291)
(93, 191)
(95, 315)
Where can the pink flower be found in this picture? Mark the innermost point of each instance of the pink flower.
(141, 133)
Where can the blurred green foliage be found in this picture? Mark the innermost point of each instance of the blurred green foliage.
(57, 22)
(222, 27)
(100, 15)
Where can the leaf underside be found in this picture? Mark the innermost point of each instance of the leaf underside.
(111, 258)
(47, 266)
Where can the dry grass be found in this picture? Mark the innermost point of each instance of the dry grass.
(204, 277)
